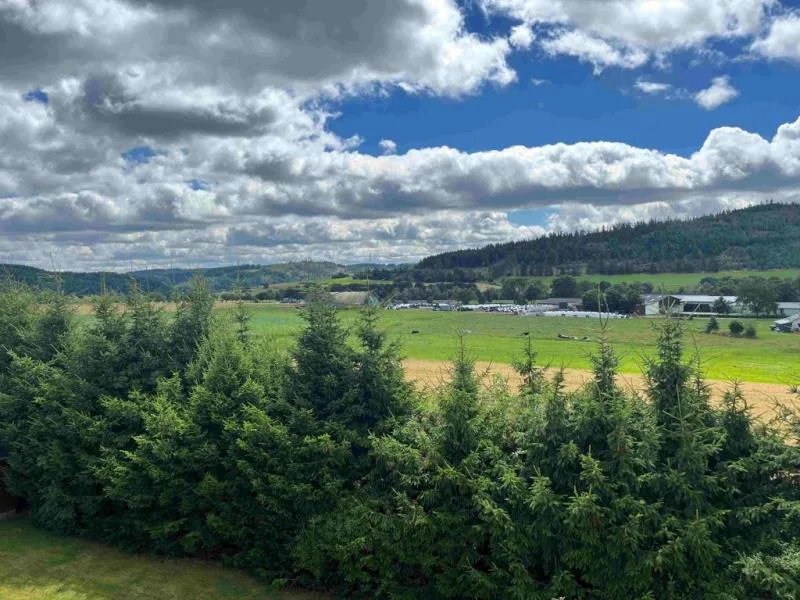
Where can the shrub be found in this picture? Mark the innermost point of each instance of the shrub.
(750, 332)
(736, 328)
(712, 325)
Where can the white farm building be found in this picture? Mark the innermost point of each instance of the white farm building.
(704, 305)
(788, 325)
(788, 309)
(687, 304)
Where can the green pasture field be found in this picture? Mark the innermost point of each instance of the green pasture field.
(38, 565)
(673, 282)
(771, 358)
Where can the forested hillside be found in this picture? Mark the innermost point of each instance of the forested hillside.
(760, 237)
(164, 281)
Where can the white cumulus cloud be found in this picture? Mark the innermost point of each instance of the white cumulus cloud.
(718, 93)
(782, 40)
(594, 50)
(627, 33)
(179, 130)
(388, 146)
(652, 87)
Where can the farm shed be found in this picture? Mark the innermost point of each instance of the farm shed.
(787, 325)
(697, 304)
(788, 309)
(563, 303)
(652, 305)
(687, 304)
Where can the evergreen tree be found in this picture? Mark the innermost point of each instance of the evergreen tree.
(191, 323)
(712, 325)
(532, 375)
(53, 326)
(322, 376)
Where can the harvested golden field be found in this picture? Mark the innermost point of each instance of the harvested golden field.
(762, 397)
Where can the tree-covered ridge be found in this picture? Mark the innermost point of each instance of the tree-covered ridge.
(761, 237)
(167, 281)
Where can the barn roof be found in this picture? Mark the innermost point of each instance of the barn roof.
(789, 305)
(701, 299)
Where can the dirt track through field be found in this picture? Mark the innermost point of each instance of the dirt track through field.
(760, 396)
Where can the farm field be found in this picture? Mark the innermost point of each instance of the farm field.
(497, 338)
(771, 358)
(672, 282)
(761, 397)
(36, 565)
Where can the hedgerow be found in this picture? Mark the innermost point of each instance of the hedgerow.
(184, 435)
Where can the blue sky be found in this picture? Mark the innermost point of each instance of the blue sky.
(562, 100)
(174, 132)
(571, 103)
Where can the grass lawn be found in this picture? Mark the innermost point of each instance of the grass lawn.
(673, 282)
(771, 358)
(39, 565)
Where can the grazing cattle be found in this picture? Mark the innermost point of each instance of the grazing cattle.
(414, 331)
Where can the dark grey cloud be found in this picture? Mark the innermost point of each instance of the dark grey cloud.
(106, 99)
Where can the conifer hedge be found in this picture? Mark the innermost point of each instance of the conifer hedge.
(322, 467)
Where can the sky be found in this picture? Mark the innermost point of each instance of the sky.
(208, 132)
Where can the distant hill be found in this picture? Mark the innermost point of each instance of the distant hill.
(761, 237)
(164, 281)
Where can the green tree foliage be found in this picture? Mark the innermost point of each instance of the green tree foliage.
(190, 325)
(712, 326)
(534, 291)
(320, 466)
(18, 323)
(564, 287)
(759, 295)
(759, 237)
(736, 328)
(65, 382)
(621, 298)
(721, 306)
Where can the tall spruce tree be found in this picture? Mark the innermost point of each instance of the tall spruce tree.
(191, 323)
(322, 376)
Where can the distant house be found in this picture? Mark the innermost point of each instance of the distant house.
(688, 304)
(788, 325)
(697, 304)
(703, 305)
(563, 303)
(444, 305)
(651, 305)
(788, 309)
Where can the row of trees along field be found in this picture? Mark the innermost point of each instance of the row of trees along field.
(760, 293)
(321, 467)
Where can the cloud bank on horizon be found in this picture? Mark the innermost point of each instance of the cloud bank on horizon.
(209, 132)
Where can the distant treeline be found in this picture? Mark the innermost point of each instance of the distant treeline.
(761, 237)
(321, 466)
(168, 282)
(760, 293)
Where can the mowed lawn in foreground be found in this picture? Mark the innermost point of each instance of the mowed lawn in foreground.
(39, 565)
(771, 358)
